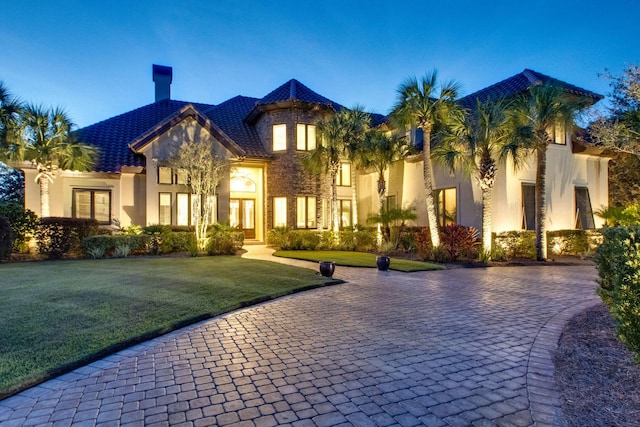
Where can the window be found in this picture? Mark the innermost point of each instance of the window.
(325, 213)
(306, 137)
(164, 212)
(558, 134)
(279, 211)
(446, 206)
(165, 175)
(528, 206)
(280, 137)
(183, 203)
(391, 202)
(306, 212)
(93, 204)
(584, 214)
(343, 177)
(344, 206)
(182, 177)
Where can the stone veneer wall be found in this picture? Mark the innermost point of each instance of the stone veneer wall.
(285, 175)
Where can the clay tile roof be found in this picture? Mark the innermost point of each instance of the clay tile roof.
(112, 136)
(293, 90)
(520, 83)
(229, 116)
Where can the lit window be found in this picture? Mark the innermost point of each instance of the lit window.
(94, 204)
(343, 177)
(164, 213)
(325, 213)
(558, 134)
(279, 211)
(345, 213)
(182, 208)
(446, 206)
(306, 212)
(280, 137)
(165, 175)
(306, 137)
(242, 184)
(528, 206)
(584, 214)
(182, 177)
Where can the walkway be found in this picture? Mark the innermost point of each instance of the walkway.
(443, 348)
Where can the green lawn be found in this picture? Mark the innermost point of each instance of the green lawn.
(357, 259)
(57, 315)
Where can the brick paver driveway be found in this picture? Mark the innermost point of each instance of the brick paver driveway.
(446, 348)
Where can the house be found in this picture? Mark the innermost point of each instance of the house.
(264, 139)
(577, 177)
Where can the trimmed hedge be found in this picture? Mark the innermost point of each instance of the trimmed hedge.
(6, 239)
(347, 240)
(618, 262)
(23, 223)
(99, 246)
(58, 237)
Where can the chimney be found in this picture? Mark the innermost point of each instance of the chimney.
(162, 76)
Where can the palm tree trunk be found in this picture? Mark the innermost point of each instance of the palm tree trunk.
(334, 203)
(428, 188)
(487, 217)
(44, 195)
(540, 205)
(354, 195)
(382, 190)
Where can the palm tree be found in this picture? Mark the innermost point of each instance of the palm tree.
(426, 105)
(378, 151)
(10, 108)
(46, 140)
(475, 143)
(340, 134)
(535, 115)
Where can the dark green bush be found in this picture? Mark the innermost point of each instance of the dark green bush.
(224, 240)
(516, 244)
(6, 239)
(60, 236)
(99, 246)
(459, 240)
(347, 240)
(178, 241)
(618, 262)
(572, 242)
(23, 223)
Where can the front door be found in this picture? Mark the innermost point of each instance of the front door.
(242, 214)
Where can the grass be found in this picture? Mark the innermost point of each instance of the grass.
(58, 315)
(358, 259)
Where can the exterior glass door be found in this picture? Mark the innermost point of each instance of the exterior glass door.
(242, 214)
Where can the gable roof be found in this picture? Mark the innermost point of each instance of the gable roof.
(112, 136)
(189, 110)
(520, 83)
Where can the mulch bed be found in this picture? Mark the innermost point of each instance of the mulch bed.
(595, 373)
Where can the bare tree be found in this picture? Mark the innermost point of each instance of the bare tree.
(206, 164)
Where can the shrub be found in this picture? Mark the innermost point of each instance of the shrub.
(224, 240)
(459, 240)
(618, 262)
(106, 245)
(516, 244)
(562, 242)
(122, 251)
(177, 241)
(59, 236)
(6, 239)
(423, 244)
(23, 223)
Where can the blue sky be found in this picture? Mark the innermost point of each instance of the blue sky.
(94, 58)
